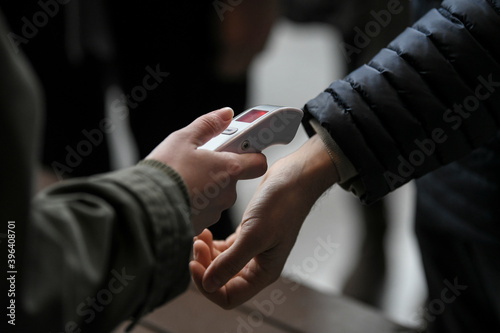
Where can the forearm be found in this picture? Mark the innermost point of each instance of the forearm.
(124, 239)
(309, 171)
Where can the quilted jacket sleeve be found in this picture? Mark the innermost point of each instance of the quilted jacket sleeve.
(429, 98)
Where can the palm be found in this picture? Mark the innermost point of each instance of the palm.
(259, 247)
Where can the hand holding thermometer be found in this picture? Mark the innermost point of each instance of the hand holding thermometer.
(256, 129)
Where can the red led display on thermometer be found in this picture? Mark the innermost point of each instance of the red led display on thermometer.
(251, 116)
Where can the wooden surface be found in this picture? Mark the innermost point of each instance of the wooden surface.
(284, 306)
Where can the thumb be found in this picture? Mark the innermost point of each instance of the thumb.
(209, 125)
(229, 263)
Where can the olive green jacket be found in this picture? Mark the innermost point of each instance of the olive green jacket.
(86, 254)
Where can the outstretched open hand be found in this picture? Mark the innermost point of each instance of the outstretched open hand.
(231, 271)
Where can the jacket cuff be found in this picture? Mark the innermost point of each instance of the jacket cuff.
(170, 172)
(344, 167)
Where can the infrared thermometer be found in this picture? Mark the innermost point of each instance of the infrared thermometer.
(257, 128)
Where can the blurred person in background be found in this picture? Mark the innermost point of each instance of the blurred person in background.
(170, 60)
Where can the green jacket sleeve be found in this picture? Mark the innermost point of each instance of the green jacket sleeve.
(105, 249)
(87, 253)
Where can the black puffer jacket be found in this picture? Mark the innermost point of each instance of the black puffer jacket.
(429, 98)
(427, 107)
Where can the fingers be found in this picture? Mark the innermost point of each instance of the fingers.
(199, 266)
(240, 288)
(202, 256)
(245, 166)
(202, 253)
(237, 274)
(230, 262)
(206, 237)
(197, 271)
(209, 125)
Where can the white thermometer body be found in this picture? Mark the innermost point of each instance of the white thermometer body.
(258, 128)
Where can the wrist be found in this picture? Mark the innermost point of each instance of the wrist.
(318, 170)
(309, 171)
